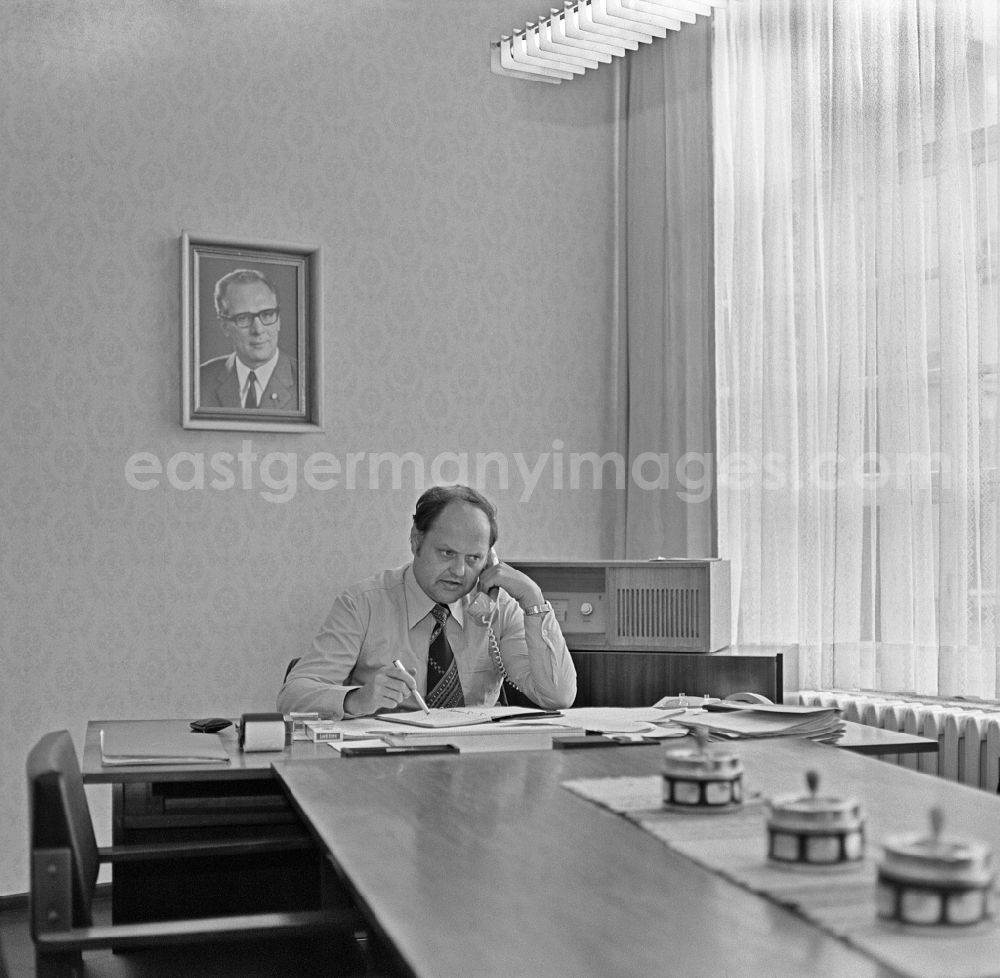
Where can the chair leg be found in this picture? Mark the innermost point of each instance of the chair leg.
(64, 964)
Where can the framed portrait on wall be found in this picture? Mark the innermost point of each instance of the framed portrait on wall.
(252, 334)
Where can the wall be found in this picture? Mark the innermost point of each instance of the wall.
(467, 228)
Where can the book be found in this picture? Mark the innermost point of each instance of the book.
(140, 743)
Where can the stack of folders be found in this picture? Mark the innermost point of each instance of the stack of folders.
(729, 721)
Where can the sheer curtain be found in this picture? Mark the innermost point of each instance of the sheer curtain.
(856, 193)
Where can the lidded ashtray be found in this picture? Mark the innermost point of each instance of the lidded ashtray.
(814, 829)
(934, 880)
(699, 779)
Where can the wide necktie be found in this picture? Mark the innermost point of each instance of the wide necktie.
(443, 687)
(251, 401)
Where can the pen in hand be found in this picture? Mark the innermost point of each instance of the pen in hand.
(416, 693)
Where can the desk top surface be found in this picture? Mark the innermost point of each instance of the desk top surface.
(538, 881)
(241, 766)
(858, 738)
(862, 739)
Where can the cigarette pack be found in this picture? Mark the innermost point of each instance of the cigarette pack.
(324, 730)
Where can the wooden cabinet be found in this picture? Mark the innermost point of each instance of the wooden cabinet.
(612, 677)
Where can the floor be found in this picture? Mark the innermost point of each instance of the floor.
(15, 943)
(333, 958)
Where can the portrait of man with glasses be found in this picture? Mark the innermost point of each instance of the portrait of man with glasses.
(257, 375)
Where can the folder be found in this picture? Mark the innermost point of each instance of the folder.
(141, 743)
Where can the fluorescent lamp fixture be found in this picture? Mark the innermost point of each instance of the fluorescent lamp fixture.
(525, 59)
(555, 27)
(585, 34)
(613, 13)
(593, 13)
(620, 11)
(570, 62)
(513, 61)
(697, 7)
(660, 13)
(585, 23)
(553, 40)
(570, 21)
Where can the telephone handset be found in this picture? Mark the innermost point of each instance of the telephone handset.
(481, 609)
(483, 605)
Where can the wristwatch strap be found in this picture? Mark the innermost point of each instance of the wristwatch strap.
(537, 609)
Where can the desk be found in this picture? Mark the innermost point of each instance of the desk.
(192, 803)
(483, 866)
(242, 800)
(862, 739)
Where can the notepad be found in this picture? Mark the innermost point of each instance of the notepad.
(436, 718)
(141, 743)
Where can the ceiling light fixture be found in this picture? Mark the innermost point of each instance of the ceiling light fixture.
(585, 34)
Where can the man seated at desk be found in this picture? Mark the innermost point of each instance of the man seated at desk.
(420, 614)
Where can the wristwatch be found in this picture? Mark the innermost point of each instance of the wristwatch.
(537, 609)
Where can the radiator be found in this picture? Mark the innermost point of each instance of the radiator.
(968, 734)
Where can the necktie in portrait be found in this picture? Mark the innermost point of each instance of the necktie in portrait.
(251, 398)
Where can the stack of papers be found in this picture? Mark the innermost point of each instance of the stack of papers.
(465, 730)
(752, 720)
(498, 728)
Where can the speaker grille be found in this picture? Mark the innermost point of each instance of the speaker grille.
(658, 613)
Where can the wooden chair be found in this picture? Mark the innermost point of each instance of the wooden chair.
(65, 860)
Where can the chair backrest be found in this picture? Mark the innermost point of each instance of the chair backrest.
(59, 815)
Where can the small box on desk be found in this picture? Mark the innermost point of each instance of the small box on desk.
(322, 731)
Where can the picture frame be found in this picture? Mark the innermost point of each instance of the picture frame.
(284, 341)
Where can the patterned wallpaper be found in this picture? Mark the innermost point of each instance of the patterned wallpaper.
(467, 226)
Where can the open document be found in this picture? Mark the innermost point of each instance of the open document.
(436, 718)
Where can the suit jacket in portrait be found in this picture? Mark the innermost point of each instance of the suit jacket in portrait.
(220, 385)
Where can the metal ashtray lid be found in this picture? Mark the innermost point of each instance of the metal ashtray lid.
(693, 763)
(814, 811)
(938, 859)
(702, 762)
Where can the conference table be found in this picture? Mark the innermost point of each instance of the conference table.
(486, 866)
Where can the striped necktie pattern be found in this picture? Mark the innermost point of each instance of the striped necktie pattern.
(443, 687)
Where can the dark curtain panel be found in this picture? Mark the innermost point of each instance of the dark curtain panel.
(666, 299)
